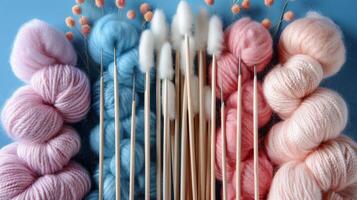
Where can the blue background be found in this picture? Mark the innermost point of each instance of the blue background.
(15, 13)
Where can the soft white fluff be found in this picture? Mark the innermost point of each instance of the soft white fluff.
(201, 31)
(146, 51)
(176, 37)
(159, 29)
(207, 95)
(166, 70)
(215, 36)
(171, 99)
(184, 16)
(183, 55)
(194, 94)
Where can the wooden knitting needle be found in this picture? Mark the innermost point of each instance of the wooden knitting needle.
(214, 47)
(132, 144)
(190, 118)
(184, 145)
(239, 131)
(213, 128)
(223, 129)
(146, 60)
(255, 129)
(100, 4)
(117, 128)
(177, 127)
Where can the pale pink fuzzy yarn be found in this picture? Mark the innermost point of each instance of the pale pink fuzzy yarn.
(26, 117)
(38, 45)
(315, 161)
(18, 181)
(49, 157)
(251, 42)
(38, 166)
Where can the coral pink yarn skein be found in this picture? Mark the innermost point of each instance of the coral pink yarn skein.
(315, 161)
(251, 42)
(38, 166)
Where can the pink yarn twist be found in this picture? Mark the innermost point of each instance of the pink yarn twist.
(38, 166)
(251, 42)
(315, 161)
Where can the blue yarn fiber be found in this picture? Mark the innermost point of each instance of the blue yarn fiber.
(110, 32)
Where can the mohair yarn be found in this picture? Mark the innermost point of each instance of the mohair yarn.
(127, 67)
(38, 165)
(315, 160)
(250, 42)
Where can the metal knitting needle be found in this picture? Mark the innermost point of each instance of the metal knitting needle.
(132, 144)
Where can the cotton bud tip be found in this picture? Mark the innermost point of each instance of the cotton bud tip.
(209, 2)
(120, 3)
(148, 16)
(288, 16)
(266, 23)
(76, 10)
(246, 4)
(83, 20)
(268, 2)
(131, 14)
(235, 9)
(70, 22)
(85, 29)
(144, 8)
(79, 1)
(99, 3)
(69, 36)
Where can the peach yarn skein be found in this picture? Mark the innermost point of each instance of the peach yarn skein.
(316, 162)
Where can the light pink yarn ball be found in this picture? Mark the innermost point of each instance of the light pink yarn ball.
(38, 45)
(328, 173)
(49, 157)
(66, 88)
(250, 41)
(320, 117)
(18, 181)
(26, 117)
(315, 36)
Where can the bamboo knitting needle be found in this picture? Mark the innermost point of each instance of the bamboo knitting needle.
(101, 128)
(100, 4)
(132, 144)
(223, 129)
(239, 131)
(214, 48)
(184, 146)
(146, 59)
(255, 128)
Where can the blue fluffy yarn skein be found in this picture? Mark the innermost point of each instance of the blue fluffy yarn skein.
(110, 32)
(122, 37)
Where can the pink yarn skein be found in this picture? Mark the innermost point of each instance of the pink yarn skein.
(250, 41)
(38, 166)
(315, 161)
